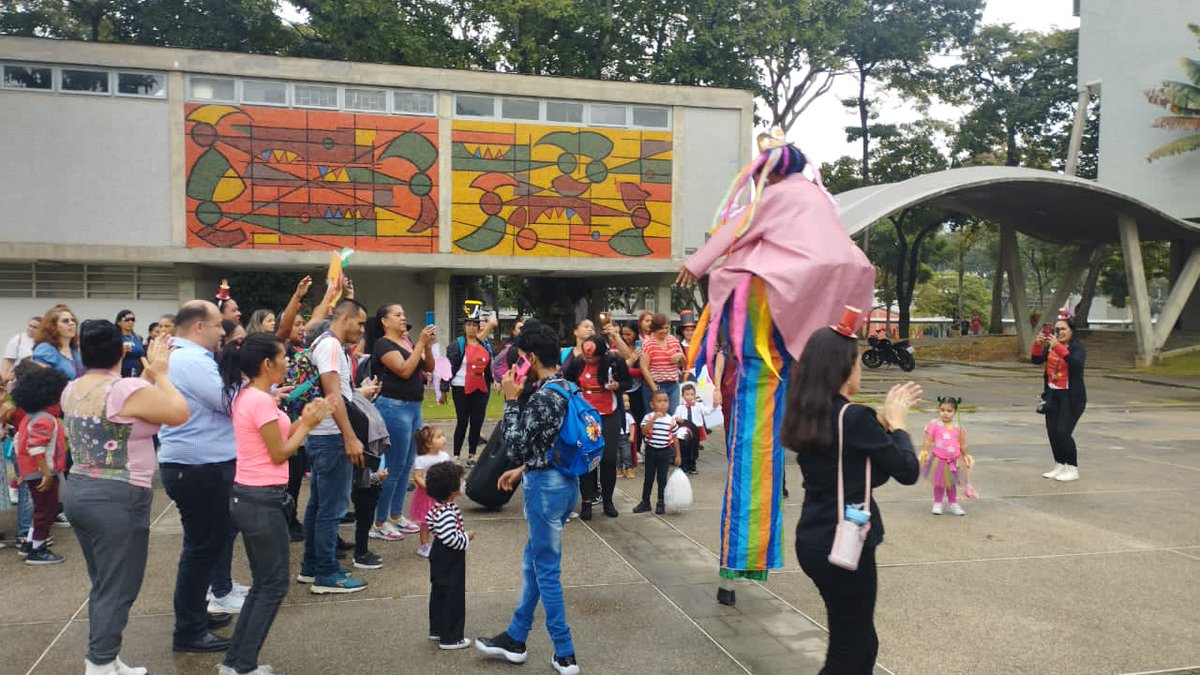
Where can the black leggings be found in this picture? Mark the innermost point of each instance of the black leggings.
(658, 464)
(610, 426)
(850, 605)
(297, 466)
(470, 408)
(365, 500)
(1060, 425)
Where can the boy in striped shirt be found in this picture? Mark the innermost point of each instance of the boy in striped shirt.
(447, 557)
(658, 429)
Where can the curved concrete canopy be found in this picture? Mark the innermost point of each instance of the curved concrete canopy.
(1045, 205)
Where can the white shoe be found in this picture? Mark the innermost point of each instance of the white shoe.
(234, 587)
(956, 510)
(404, 525)
(386, 532)
(937, 509)
(90, 668)
(14, 494)
(1068, 473)
(123, 669)
(424, 549)
(1053, 473)
(461, 644)
(223, 669)
(230, 604)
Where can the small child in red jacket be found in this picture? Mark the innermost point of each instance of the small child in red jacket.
(41, 454)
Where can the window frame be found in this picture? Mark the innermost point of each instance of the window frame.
(53, 88)
(165, 85)
(394, 95)
(591, 122)
(294, 97)
(345, 99)
(60, 72)
(241, 83)
(492, 116)
(191, 89)
(538, 104)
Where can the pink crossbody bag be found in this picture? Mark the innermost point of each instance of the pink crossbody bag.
(849, 536)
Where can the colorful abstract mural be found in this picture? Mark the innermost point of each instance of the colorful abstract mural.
(277, 178)
(526, 189)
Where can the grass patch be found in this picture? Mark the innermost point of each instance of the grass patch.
(984, 349)
(432, 411)
(1187, 365)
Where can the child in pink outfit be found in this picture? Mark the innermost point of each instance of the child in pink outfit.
(944, 458)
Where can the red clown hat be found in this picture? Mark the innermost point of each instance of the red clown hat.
(223, 292)
(848, 323)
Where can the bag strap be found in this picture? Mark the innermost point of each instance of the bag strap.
(840, 482)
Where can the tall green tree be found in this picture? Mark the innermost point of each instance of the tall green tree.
(891, 40)
(1182, 99)
(413, 33)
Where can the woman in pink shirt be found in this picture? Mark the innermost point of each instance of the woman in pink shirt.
(259, 502)
(110, 423)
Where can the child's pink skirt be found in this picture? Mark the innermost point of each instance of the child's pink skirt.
(419, 506)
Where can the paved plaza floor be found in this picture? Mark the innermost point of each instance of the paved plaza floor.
(1096, 576)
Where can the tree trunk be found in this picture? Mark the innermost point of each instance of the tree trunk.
(863, 118)
(1089, 288)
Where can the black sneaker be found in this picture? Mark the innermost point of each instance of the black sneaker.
(43, 556)
(565, 665)
(343, 545)
(23, 548)
(610, 510)
(502, 646)
(660, 508)
(585, 511)
(368, 561)
(598, 498)
(643, 507)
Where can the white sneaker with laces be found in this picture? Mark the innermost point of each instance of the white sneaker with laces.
(240, 589)
(937, 509)
(1069, 473)
(230, 604)
(386, 532)
(1053, 473)
(461, 644)
(956, 510)
(90, 668)
(404, 525)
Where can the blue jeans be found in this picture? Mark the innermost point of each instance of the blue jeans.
(549, 496)
(328, 491)
(403, 419)
(672, 389)
(24, 505)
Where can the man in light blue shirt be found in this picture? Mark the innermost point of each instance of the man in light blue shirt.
(197, 461)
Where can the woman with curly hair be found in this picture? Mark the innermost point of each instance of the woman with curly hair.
(57, 343)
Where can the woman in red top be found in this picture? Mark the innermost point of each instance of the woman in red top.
(603, 377)
(471, 362)
(1063, 392)
(662, 357)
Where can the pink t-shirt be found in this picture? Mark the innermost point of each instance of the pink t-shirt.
(142, 461)
(252, 410)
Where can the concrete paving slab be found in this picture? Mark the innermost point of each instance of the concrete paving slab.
(1158, 519)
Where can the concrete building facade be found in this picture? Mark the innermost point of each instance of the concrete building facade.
(137, 175)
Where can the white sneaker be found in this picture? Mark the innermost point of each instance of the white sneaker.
(1053, 473)
(424, 549)
(14, 494)
(223, 669)
(937, 509)
(1068, 473)
(404, 525)
(240, 589)
(230, 604)
(956, 510)
(461, 644)
(386, 532)
(90, 668)
(123, 669)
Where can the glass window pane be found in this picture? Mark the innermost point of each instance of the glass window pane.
(519, 109)
(94, 81)
(475, 106)
(608, 115)
(366, 99)
(212, 89)
(28, 77)
(419, 102)
(561, 111)
(142, 84)
(316, 96)
(273, 93)
(659, 118)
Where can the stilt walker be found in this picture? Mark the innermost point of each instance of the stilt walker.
(788, 266)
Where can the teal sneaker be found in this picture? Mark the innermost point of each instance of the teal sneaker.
(338, 582)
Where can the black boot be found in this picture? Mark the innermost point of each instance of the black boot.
(610, 510)
(726, 596)
(585, 510)
(642, 507)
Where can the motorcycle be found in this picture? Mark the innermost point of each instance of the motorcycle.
(884, 351)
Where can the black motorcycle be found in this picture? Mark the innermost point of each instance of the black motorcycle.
(884, 351)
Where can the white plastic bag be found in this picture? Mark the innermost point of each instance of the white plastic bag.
(679, 492)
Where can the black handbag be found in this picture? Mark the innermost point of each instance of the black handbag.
(493, 462)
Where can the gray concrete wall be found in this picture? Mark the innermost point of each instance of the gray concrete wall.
(15, 312)
(1131, 47)
(83, 169)
(709, 157)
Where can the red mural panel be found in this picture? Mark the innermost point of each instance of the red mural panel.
(278, 178)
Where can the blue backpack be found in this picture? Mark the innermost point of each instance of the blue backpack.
(580, 442)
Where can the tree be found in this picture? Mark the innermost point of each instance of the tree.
(941, 295)
(413, 33)
(1183, 100)
(891, 39)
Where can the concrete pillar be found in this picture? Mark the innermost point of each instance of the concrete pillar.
(1011, 258)
(1070, 279)
(185, 276)
(444, 314)
(1139, 295)
(1181, 290)
(662, 298)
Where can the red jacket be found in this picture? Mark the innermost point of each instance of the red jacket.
(39, 432)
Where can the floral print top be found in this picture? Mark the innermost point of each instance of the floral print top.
(531, 429)
(103, 443)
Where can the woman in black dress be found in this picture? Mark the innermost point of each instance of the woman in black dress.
(826, 377)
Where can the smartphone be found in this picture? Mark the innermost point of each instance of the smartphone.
(1046, 329)
(605, 318)
(429, 317)
(521, 367)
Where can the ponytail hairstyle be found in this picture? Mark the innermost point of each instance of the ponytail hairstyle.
(242, 359)
(952, 401)
(373, 330)
(423, 438)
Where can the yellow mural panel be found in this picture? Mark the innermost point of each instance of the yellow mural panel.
(544, 190)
